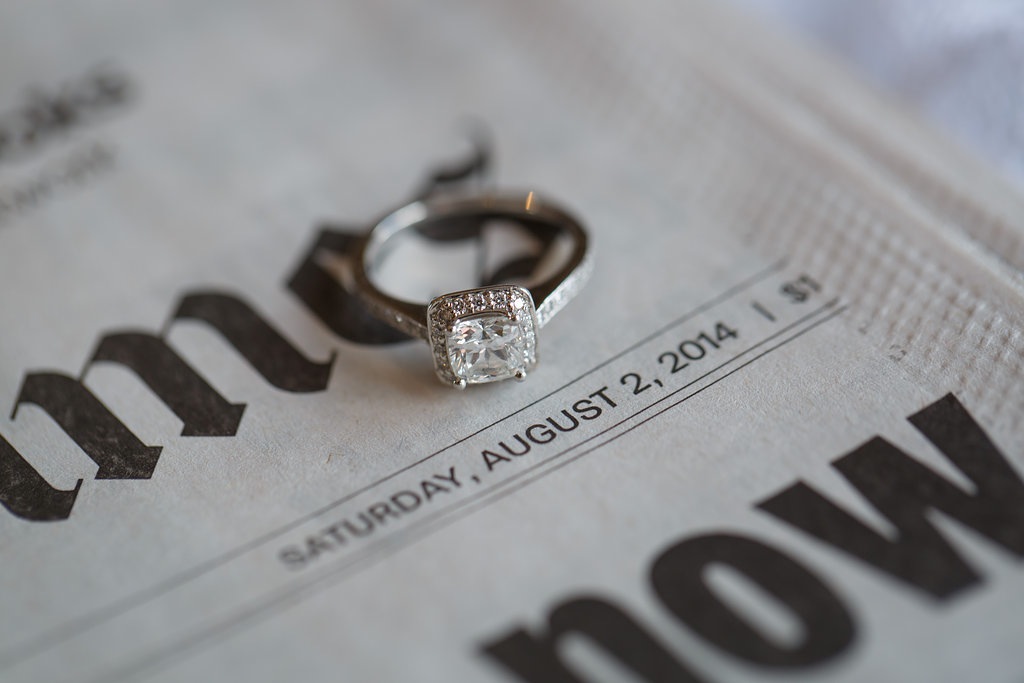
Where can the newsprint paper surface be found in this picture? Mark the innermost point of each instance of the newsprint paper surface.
(778, 435)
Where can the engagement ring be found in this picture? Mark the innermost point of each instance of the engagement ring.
(488, 333)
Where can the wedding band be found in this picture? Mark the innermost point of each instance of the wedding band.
(488, 333)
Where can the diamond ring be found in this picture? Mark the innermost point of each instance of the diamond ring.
(488, 333)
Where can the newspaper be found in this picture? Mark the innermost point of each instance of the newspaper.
(778, 434)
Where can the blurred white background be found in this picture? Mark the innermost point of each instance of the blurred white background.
(959, 62)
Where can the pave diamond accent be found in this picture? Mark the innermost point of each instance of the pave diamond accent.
(483, 335)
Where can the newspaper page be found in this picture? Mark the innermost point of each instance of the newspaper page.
(778, 434)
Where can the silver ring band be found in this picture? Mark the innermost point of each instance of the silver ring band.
(527, 308)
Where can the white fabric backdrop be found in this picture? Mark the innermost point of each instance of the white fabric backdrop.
(961, 62)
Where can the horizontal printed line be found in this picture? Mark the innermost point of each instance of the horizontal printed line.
(443, 518)
(83, 623)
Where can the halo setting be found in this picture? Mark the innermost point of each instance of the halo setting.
(489, 333)
(483, 335)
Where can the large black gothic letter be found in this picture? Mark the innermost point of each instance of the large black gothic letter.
(679, 577)
(267, 351)
(905, 491)
(92, 426)
(534, 657)
(203, 411)
(331, 299)
(26, 494)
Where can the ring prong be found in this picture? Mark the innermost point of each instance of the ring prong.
(459, 383)
(520, 375)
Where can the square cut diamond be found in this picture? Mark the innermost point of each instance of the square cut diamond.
(487, 347)
(483, 335)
